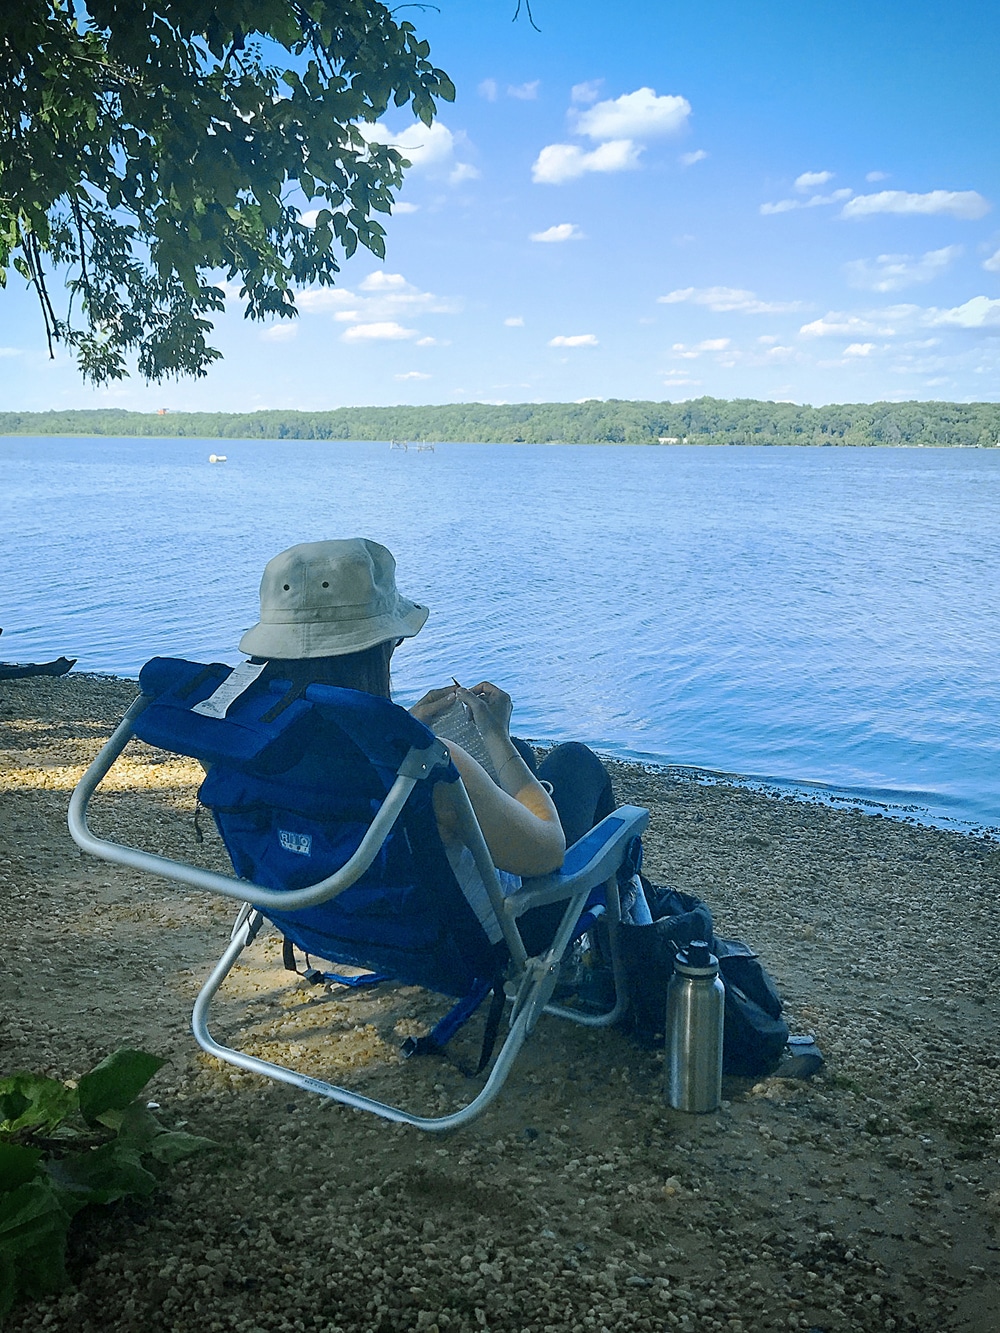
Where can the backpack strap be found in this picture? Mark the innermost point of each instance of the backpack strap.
(456, 1018)
(317, 978)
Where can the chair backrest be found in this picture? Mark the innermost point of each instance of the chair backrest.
(293, 784)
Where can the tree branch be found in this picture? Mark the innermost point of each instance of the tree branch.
(33, 257)
(527, 10)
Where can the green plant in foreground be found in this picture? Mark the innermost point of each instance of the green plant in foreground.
(63, 1147)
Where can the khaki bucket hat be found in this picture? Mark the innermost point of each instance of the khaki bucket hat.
(325, 599)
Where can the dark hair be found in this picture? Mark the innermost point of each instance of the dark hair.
(367, 670)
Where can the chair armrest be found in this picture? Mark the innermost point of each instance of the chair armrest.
(589, 862)
(417, 766)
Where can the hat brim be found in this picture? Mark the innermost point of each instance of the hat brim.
(288, 640)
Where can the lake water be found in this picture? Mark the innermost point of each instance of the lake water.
(804, 616)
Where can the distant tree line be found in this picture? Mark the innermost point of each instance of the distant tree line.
(616, 421)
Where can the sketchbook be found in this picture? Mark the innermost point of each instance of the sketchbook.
(456, 724)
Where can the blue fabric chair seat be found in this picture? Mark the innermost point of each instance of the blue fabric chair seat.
(293, 786)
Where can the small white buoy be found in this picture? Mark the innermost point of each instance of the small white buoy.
(216, 458)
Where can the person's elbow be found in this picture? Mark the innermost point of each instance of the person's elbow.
(544, 854)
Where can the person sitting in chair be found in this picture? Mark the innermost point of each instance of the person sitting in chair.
(331, 614)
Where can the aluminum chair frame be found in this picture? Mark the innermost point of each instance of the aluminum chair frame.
(531, 980)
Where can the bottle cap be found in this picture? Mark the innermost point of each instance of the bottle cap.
(697, 960)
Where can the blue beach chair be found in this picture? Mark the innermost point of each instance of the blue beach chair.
(324, 803)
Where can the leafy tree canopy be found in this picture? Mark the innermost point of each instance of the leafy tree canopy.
(151, 148)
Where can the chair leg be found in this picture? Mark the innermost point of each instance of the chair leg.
(612, 918)
(245, 928)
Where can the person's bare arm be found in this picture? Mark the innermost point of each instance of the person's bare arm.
(518, 819)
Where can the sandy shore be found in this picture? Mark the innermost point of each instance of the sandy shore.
(867, 1198)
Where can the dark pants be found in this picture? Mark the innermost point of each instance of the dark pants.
(582, 795)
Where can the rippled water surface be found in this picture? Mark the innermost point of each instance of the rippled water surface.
(819, 616)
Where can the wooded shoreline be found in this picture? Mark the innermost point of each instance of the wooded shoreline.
(704, 421)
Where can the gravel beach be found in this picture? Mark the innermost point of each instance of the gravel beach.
(866, 1198)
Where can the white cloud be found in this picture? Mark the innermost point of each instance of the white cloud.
(488, 89)
(560, 162)
(768, 338)
(463, 171)
(562, 231)
(840, 325)
(979, 313)
(381, 298)
(280, 333)
(524, 92)
(890, 273)
(812, 180)
(992, 265)
(384, 331)
(706, 345)
(380, 281)
(689, 159)
(412, 375)
(231, 290)
(585, 93)
(638, 115)
(308, 218)
(781, 206)
(874, 176)
(573, 340)
(431, 342)
(965, 204)
(10, 351)
(320, 300)
(786, 205)
(514, 322)
(428, 148)
(725, 299)
(859, 349)
(620, 127)
(399, 208)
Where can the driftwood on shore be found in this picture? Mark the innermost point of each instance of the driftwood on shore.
(20, 670)
(864, 1200)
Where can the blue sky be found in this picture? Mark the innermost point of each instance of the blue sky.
(772, 200)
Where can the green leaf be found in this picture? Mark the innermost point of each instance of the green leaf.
(116, 1081)
(17, 1165)
(33, 1226)
(174, 1145)
(31, 1101)
(136, 119)
(102, 1175)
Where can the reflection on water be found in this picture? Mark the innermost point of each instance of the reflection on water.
(814, 615)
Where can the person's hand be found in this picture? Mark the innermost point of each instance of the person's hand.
(490, 708)
(433, 704)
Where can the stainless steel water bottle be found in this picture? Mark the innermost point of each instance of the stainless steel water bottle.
(695, 1005)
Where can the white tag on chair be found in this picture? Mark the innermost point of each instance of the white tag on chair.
(236, 683)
